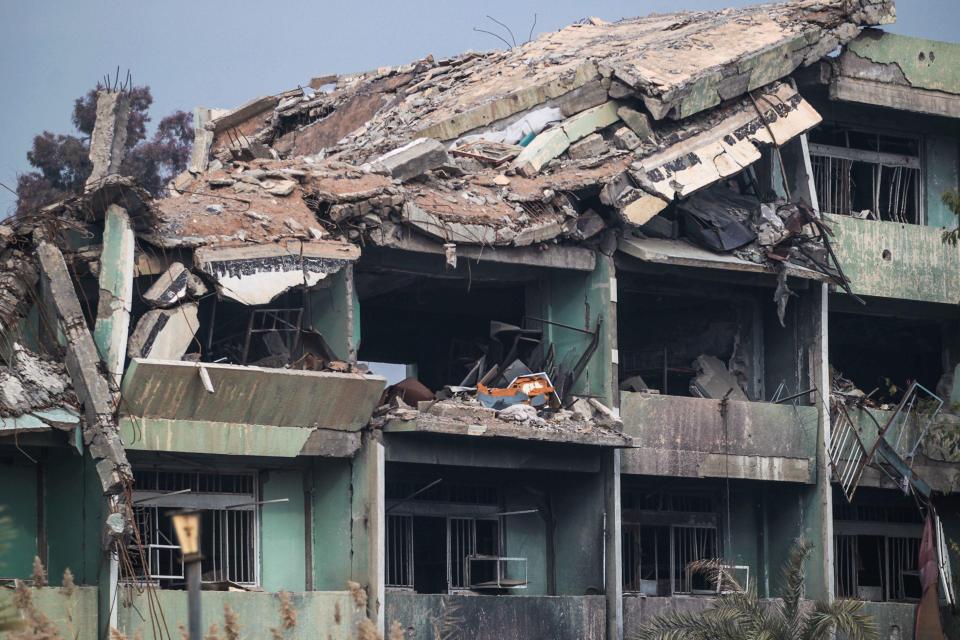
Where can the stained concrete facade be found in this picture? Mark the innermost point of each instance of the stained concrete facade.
(748, 475)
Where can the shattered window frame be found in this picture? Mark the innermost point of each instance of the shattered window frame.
(828, 160)
(234, 534)
(898, 532)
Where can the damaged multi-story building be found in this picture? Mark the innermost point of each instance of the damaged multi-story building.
(506, 340)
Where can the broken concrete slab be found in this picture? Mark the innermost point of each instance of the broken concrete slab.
(714, 380)
(109, 138)
(625, 139)
(30, 382)
(636, 121)
(589, 95)
(164, 334)
(116, 290)
(551, 143)
(101, 433)
(256, 274)
(413, 159)
(203, 137)
(450, 231)
(725, 142)
(590, 147)
(173, 286)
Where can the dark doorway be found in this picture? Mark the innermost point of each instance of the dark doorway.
(430, 555)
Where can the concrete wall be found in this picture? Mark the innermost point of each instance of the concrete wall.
(74, 614)
(638, 610)
(498, 618)
(893, 260)
(894, 619)
(324, 614)
(689, 437)
(283, 532)
(18, 478)
(330, 484)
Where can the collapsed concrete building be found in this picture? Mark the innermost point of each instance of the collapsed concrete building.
(507, 339)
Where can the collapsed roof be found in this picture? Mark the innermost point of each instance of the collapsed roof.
(576, 137)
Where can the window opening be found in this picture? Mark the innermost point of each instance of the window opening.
(229, 526)
(867, 174)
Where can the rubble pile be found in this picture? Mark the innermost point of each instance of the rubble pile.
(647, 127)
(595, 127)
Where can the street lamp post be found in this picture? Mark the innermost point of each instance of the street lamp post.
(187, 526)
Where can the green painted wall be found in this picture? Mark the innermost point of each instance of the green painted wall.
(938, 72)
(526, 537)
(329, 482)
(578, 505)
(577, 299)
(317, 613)
(741, 542)
(74, 614)
(335, 312)
(72, 496)
(283, 532)
(942, 162)
(18, 497)
(892, 260)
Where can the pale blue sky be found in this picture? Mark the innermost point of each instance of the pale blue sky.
(220, 54)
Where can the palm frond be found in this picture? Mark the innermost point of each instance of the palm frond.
(843, 616)
(791, 588)
(717, 574)
(711, 624)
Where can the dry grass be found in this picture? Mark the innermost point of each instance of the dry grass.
(231, 624)
(213, 633)
(396, 631)
(359, 594)
(39, 573)
(367, 630)
(36, 626)
(69, 586)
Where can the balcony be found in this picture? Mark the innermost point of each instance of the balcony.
(894, 260)
(425, 617)
(245, 410)
(698, 438)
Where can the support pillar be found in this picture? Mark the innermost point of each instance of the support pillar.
(613, 567)
(368, 524)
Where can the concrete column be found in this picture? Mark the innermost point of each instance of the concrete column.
(821, 366)
(613, 567)
(818, 503)
(368, 524)
(116, 291)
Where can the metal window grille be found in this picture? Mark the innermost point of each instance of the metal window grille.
(891, 561)
(691, 544)
(469, 537)
(283, 324)
(861, 173)
(400, 551)
(656, 559)
(229, 526)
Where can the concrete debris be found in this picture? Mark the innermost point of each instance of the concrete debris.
(592, 146)
(713, 380)
(625, 139)
(18, 278)
(31, 382)
(413, 159)
(109, 139)
(173, 286)
(637, 122)
(164, 334)
(257, 274)
(101, 433)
